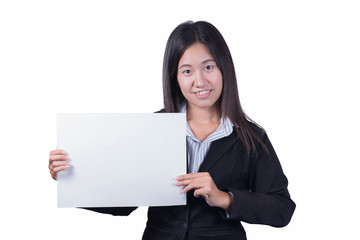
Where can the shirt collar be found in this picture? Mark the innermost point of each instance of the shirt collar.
(225, 129)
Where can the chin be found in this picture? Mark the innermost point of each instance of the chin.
(203, 105)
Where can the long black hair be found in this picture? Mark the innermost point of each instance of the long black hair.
(187, 34)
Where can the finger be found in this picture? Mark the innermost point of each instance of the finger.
(201, 181)
(198, 181)
(192, 186)
(59, 164)
(191, 176)
(183, 182)
(201, 193)
(195, 183)
(187, 176)
(60, 168)
(58, 158)
(186, 189)
(57, 151)
(56, 164)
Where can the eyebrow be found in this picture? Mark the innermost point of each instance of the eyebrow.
(208, 60)
(203, 62)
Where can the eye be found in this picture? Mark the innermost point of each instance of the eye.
(209, 67)
(187, 71)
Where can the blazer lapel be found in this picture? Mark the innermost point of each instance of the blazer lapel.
(217, 149)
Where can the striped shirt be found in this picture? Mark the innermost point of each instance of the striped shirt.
(197, 150)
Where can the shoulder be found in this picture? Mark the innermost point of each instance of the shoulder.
(257, 129)
(254, 137)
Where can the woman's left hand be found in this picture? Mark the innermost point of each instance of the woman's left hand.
(204, 186)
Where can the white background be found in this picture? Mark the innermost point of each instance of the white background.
(297, 65)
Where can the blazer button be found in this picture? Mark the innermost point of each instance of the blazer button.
(184, 225)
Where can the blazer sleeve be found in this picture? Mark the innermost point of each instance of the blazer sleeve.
(115, 211)
(268, 200)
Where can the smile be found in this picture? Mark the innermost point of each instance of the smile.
(201, 93)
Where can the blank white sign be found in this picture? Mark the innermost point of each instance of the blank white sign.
(121, 159)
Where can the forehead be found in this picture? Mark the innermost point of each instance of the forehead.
(197, 52)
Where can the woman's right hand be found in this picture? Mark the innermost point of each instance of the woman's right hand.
(58, 161)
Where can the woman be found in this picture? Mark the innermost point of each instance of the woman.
(234, 173)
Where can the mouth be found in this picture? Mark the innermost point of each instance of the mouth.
(203, 93)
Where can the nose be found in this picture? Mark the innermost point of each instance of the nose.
(200, 80)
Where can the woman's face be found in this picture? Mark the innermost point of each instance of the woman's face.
(199, 77)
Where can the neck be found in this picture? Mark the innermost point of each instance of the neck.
(203, 115)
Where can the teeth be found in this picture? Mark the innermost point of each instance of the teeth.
(202, 92)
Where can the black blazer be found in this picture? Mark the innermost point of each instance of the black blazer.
(260, 194)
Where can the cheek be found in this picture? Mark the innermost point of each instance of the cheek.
(180, 85)
(219, 83)
(183, 85)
